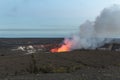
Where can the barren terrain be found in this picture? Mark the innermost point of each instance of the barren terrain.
(74, 65)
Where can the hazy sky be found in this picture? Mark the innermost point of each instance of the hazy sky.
(48, 14)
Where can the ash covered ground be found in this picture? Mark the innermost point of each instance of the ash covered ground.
(100, 64)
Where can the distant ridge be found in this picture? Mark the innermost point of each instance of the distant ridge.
(28, 41)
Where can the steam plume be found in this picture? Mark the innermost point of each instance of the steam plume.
(97, 33)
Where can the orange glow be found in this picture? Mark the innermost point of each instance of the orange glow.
(63, 48)
(66, 46)
(54, 50)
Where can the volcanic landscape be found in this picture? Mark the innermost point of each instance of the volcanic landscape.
(31, 59)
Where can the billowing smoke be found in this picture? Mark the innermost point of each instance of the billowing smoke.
(97, 33)
(108, 23)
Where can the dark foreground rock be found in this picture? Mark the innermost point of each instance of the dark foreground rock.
(88, 73)
(75, 65)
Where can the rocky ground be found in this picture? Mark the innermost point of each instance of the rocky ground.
(75, 65)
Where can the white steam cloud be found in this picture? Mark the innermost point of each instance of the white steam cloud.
(97, 33)
(108, 23)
